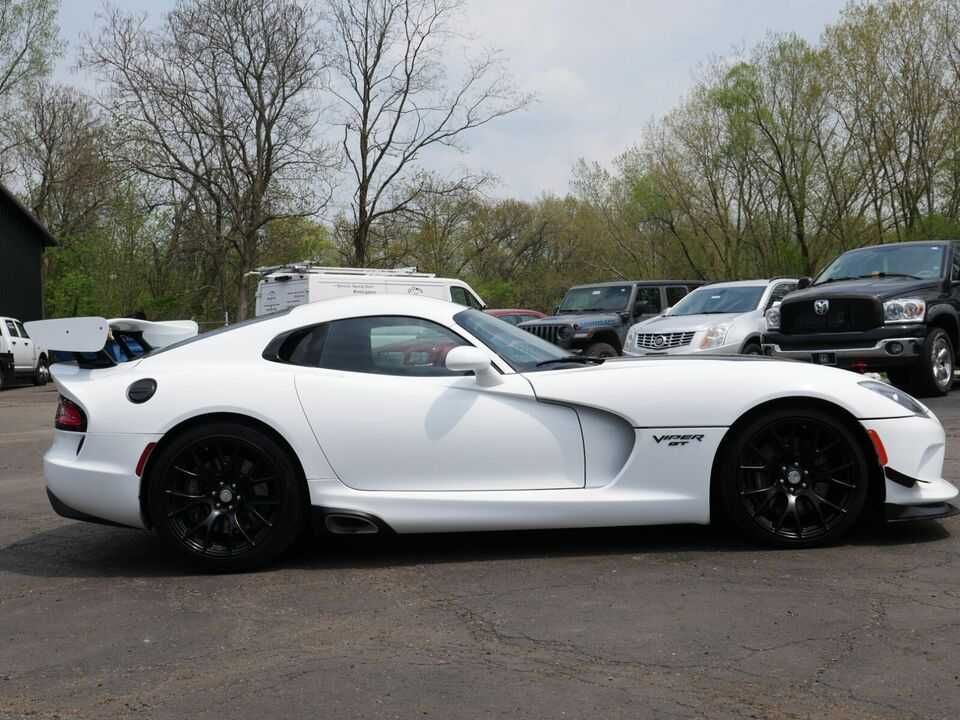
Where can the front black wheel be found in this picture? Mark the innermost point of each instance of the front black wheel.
(227, 496)
(795, 478)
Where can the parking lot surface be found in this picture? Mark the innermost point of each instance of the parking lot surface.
(99, 622)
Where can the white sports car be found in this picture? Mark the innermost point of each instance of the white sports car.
(404, 414)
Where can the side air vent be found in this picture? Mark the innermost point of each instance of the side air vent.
(342, 524)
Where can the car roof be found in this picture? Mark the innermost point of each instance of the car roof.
(615, 283)
(900, 244)
(748, 283)
(511, 311)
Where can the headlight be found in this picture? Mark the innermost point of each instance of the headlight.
(904, 310)
(714, 337)
(898, 396)
(772, 317)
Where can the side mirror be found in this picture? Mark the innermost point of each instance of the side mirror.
(667, 311)
(804, 282)
(556, 310)
(469, 359)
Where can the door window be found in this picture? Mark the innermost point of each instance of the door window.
(955, 272)
(12, 329)
(459, 295)
(676, 293)
(387, 345)
(647, 302)
(22, 329)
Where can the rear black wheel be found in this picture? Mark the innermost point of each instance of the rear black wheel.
(752, 348)
(795, 478)
(227, 496)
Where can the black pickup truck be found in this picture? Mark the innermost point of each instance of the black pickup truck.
(891, 308)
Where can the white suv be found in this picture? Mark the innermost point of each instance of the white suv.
(20, 357)
(725, 318)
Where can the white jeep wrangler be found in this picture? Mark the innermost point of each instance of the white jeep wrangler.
(20, 357)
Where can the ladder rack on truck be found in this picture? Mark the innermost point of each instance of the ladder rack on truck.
(307, 268)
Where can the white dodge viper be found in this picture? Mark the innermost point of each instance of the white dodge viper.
(407, 415)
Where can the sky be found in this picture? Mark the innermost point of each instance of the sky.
(601, 70)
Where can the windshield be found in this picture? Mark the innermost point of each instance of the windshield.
(716, 300)
(914, 261)
(604, 298)
(521, 349)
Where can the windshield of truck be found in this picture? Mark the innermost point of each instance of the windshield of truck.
(603, 298)
(919, 262)
(717, 300)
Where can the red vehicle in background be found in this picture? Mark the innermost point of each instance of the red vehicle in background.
(515, 316)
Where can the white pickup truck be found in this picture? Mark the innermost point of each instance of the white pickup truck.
(20, 356)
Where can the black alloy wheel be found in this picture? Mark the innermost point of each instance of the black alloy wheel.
(795, 478)
(227, 496)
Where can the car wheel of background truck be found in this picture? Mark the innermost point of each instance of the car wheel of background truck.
(933, 376)
(752, 348)
(601, 349)
(42, 374)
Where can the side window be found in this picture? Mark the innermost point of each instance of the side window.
(955, 271)
(12, 329)
(676, 293)
(386, 345)
(780, 291)
(647, 302)
(22, 329)
(459, 295)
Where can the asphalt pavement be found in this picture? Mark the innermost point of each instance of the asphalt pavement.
(99, 622)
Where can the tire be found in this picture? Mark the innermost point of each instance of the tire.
(601, 350)
(794, 477)
(752, 348)
(41, 375)
(226, 496)
(933, 375)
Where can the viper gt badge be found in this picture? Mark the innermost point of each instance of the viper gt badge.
(820, 307)
(673, 440)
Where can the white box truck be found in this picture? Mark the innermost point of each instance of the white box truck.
(286, 286)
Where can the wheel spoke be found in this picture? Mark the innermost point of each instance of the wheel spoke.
(183, 495)
(783, 516)
(831, 471)
(816, 506)
(843, 483)
(185, 471)
(236, 522)
(757, 491)
(188, 506)
(755, 468)
(826, 502)
(253, 511)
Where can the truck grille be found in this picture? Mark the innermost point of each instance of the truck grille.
(663, 340)
(550, 333)
(843, 315)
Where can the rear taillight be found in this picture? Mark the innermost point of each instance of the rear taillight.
(69, 416)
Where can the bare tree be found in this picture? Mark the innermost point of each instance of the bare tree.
(397, 101)
(218, 105)
(28, 46)
(63, 154)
